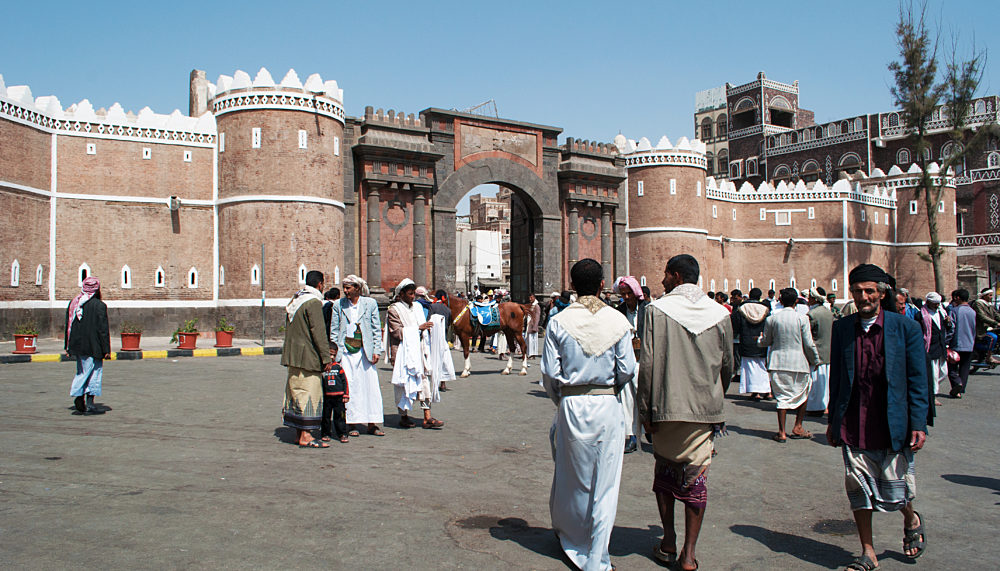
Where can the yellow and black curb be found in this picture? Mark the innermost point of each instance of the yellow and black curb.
(135, 355)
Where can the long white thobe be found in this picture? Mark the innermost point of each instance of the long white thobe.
(587, 439)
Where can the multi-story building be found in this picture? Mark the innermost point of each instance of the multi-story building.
(478, 257)
(492, 213)
(711, 126)
(772, 139)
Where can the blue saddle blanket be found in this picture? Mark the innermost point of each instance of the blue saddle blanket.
(485, 313)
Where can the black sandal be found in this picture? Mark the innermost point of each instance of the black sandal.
(915, 538)
(863, 563)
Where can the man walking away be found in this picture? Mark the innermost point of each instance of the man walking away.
(587, 359)
(88, 339)
(936, 327)
(821, 327)
(962, 342)
(748, 324)
(793, 354)
(306, 353)
(687, 363)
(878, 410)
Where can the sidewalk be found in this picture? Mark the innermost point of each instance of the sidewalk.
(51, 350)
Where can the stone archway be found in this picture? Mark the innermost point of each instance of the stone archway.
(540, 201)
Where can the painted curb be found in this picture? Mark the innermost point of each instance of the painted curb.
(136, 355)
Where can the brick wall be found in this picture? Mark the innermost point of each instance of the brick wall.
(26, 156)
(26, 241)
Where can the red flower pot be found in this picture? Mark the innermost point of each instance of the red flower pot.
(187, 340)
(130, 341)
(223, 339)
(24, 344)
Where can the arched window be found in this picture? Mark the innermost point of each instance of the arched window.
(770, 285)
(859, 124)
(710, 162)
(903, 157)
(725, 285)
(980, 107)
(738, 283)
(782, 171)
(642, 280)
(255, 275)
(302, 274)
(894, 119)
(160, 277)
(711, 285)
(993, 160)
(723, 166)
(810, 171)
(833, 285)
(82, 273)
(336, 274)
(222, 275)
(192, 278)
(126, 277)
(849, 162)
(706, 128)
(845, 127)
(722, 126)
(750, 284)
(39, 273)
(699, 281)
(812, 283)
(791, 283)
(15, 273)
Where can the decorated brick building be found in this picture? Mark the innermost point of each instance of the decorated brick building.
(224, 209)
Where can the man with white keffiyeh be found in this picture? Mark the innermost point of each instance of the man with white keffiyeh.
(88, 340)
(306, 353)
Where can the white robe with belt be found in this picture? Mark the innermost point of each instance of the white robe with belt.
(410, 371)
(588, 432)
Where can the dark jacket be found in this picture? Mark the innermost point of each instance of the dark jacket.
(307, 345)
(905, 371)
(640, 312)
(89, 337)
(748, 324)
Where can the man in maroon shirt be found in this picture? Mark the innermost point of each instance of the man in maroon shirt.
(878, 409)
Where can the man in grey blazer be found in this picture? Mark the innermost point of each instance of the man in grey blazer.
(357, 331)
(821, 324)
(793, 354)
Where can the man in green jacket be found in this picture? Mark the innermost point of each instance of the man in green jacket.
(306, 353)
(686, 366)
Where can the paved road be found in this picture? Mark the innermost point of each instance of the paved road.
(192, 469)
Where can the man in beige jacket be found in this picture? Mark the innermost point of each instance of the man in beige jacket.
(686, 366)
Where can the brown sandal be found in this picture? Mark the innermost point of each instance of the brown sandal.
(433, 423)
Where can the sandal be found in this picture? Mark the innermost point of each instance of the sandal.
(354, 433)
(863, 563)
(344, 439)
(433, 423)
(915, 538)
(375, 431)
(777, 438)
(314, 444)
(806, 435)
(667, 558)
(326, 439)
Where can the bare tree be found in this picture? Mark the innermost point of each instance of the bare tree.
(925, 98)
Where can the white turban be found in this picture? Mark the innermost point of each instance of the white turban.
(933, 297)
(353, 279)
(402, 284)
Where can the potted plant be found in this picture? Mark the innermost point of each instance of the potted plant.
(186, 335)
(131, 332)
(25, 334)
(224, 333)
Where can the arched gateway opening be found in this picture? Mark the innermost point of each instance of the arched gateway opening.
(404, 166)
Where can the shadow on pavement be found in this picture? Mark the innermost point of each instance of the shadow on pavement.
(804, 548)
(541, 540)
(286, 434)
(977, 481)
(765, 434)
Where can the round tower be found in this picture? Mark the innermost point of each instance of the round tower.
(280, 182)
(666, 204)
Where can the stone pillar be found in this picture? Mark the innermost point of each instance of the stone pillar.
(373, 246)
(444, 254)
(606, 244)
(574, 234)
(549, 266)
(420, 239)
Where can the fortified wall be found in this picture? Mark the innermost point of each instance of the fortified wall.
(773, 236)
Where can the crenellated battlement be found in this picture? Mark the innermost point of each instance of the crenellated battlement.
(46, 112)
(394, 119)
(642, 154)
(590, 147)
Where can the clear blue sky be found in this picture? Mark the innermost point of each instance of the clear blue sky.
(591, 68)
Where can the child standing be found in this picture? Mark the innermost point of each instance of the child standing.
(335, 394)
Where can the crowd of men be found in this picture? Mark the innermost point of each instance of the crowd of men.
(662, 367)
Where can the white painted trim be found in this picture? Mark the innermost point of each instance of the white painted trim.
(133, 139)
(280, 198)
(826, 241)
(139, 303)
(54, 183)
(216, 277)
(137, 199)
(31, 189)
(668, 229)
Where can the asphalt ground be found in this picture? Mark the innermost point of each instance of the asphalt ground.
(192, 469)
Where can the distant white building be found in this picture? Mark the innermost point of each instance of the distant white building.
(479, 257)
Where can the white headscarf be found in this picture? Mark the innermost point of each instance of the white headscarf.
(402, 284)
(353, 279)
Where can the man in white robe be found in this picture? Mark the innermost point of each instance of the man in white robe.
(531, 329)
(588, 358)
(408, 332)
(356, 330)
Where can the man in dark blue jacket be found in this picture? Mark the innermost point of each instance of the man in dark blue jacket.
(878, 409)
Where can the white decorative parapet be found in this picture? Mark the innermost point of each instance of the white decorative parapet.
(685, 153)
(239, 92)
(80, 119)
(877, 190)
